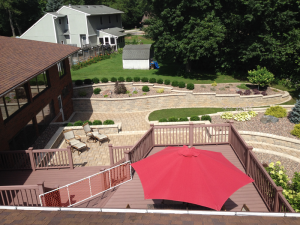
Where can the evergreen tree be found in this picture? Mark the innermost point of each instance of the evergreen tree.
(295, 114)
(53, 5)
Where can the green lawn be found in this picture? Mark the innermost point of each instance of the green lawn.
(139, 38)
(293, 92)
(113, 68)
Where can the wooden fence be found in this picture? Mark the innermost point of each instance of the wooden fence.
(212, 134)
(36, 159)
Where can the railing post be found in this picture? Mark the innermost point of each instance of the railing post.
(153, 138)
(127, 156)
(41, 188)
(276, 200)
(111, 156)
(248, 159)
(191, 134)
(230, 132)
(31, 158)
(70, 157)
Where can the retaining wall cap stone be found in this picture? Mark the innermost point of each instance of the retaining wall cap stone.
(227, 95)
(272, 96)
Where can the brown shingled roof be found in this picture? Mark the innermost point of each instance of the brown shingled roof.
(21, 60)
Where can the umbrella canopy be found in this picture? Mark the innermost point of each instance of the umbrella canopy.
(190, 175)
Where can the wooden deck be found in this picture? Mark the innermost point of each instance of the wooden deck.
(132, 192)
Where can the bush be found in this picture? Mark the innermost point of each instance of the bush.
(160, 90)
(121, 79)
(296, 131)
(41, 82)
(78, 123)
(87, 121)
(294, 116)
(78, 82)
(261, 76)
(214, 84)
(145, 79)
(82, 93)
(175, 83)
(181, 85)
(264, 93)
(97, 91)
(173, 119)
(107, 122)
(33, 82)
(160, 81)
(194, 118)
(128, 79)
(277, 111)
(213, 89)
(95, 80)
(137, 79)
(167, 82)
(152, 80)
(206, 117)
(183, 119)
(163, 120)
(70, 124)
(120, 88)
(240, 92)
(247, 92)
(145, 89)
(227, 115)
(104, 80)
(113, 79)
(97, 122)
(190, 86)
(222, 89)
(87, 81)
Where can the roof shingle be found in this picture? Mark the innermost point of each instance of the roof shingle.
(136, 52)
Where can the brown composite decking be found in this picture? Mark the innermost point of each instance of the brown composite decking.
(132, 192)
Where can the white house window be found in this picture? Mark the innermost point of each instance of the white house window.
(106, 40)
(59, 21)
(112, 41)
(101, 20)
(109, 19)
(101, 40)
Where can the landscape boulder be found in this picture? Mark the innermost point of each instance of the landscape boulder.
(269, 119)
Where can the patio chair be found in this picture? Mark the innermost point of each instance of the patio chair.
(74, 141)
(95, 136)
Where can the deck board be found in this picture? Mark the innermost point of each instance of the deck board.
(132, 192)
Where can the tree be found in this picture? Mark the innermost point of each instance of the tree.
(261, 76)
(53, 5)
(294, 116)
(7, 5)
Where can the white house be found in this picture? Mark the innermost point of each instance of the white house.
(136, 57)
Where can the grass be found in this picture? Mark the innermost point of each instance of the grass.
(139, 38)
(293, 92)
(243, 86)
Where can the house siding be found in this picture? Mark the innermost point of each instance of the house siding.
(136, 64)
(60, 29)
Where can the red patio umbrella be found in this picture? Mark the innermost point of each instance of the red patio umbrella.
(190, 175)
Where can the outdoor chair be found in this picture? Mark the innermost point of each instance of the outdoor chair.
(74, 141)
(94, 136)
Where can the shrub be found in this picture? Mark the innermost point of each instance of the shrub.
(175, 83)
(256, 92)
(97, 91)
(214, 84)
(127, 92)
(137, 79)
(104, 80)
(183, 119)
(222, 89)
(242, 116)
(163, 120)
(82, 93)
(95, 80)
(107, 122)
(203, 86)
(190, 86)
(227, 115)
(227, 86)
(145, 79)
(160, 90)
(240, 92)
(87, 121)
(128, 79)
(144, 93)
(78, 82)
(152, 80)
(280, 178)
(145, 88)
(294, 116)
(213, 89)
(120, 88)
(33, 82)
(206, 117)
(78, 123)
(87, 81)
(173, 119)
(134, 92)
(41, 82)
(160, 81)
(264, 93)
(194, 118)
(105, 96)
(70, 124)
(296, 130)
(242, 86)
(120, 50)
(261, 76)
(97, 122)
(277, 111)
(247, 92)
(113, 79)
(121, 79)
(181, 84)
(167, 82)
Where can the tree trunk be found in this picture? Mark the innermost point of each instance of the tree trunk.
(11, 23)
(19, 28)
(188, 67)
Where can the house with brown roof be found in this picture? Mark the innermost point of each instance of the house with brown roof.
(35, 88)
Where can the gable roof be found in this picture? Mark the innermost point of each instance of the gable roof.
(22, 59)
(94, 9)
(115, 31)
(136, 52)
(57, 14)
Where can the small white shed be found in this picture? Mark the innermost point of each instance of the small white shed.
(136, 57)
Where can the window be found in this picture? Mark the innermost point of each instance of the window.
(45, 116)
(109, 19)
(59, 21)
(101, 41)
(106, 40)
(101, 20)
(12, 102)
(67, 20)
(61, 69)
(38, 84)
(112, 41)
(66, 90)
(117, 18)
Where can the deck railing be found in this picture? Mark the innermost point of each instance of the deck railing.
(21, 195)
(117, 155)
(212, 134)
(36, 159)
